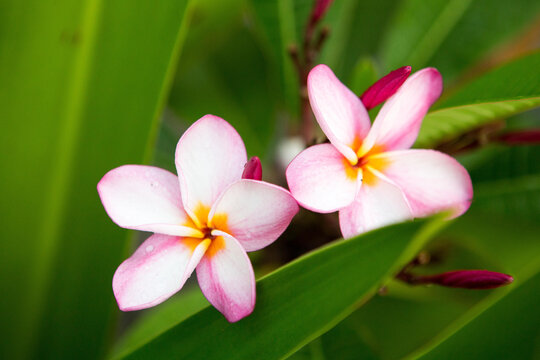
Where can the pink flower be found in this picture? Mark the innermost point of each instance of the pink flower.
(204, 219)
(368, 172)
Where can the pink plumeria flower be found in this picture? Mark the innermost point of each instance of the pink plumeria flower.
(207, 218)
(368, 173)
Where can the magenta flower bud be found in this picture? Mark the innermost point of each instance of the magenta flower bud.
(320, 8)
(253, 169)
(469, 279)
(385, 87)
(521, 137)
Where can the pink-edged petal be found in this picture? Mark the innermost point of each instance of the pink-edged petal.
(397, 124)
(226, 277)
(254, 212)
(156, 271)
(209, 157)
(339, 112)
(144, 198)
(321, 179)
(431, 181)
(375, 206)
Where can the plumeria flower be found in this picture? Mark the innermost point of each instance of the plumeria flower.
(368, 173)
(207, 218)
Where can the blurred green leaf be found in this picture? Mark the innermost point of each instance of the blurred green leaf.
(238, 91)
(452, 35)
(157, 320)
(276, 29)
(417, 31)
(356, 30)
(82, 86)
(364, 75)
(505, 91)
(289, 313)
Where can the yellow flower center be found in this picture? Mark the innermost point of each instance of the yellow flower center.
(199, 220)
(370, 163)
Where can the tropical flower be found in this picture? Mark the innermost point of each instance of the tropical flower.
(207, 218)
(368, 173)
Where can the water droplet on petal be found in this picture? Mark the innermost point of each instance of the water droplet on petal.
(149, 248)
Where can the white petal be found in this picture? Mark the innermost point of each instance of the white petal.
(209, 157)
(376, 205)
(321, 179)
(339, 112)
(431, 181)
(397, 124)
(226, 278)
(156, 271)
(145, 198)
(254, 212)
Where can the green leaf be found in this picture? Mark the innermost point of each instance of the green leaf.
(364, 75)
(83, 83)
(157, 320)
(298, 302)
(231, 84)
(453, 35)
(505, 91)
(418, 30)
(356, 30)
(276, 29)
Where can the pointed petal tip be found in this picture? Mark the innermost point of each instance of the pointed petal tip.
(237, 316)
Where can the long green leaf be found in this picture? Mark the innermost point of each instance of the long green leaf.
(452, 35)
(505, 91)
(297, 302)
(418, 30)
(160, 319)
(276, 29)
(82, 86)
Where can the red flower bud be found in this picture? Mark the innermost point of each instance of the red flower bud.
(253, 169)
(319, 9)
(521, 137)
(469, 279)
(385, 87)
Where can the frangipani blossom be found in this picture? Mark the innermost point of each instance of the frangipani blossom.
(204, 219)
(368, 173)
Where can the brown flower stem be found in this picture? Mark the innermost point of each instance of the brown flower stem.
(304, 63)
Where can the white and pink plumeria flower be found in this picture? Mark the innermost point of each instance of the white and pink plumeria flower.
(206, 219)
(368, 173)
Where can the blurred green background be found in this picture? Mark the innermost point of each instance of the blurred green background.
(86, 86)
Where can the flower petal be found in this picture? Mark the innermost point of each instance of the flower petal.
(156, 271)
(321, 179)
(376, 205)
(397, 124)
(431, 181)
(209, 157)
(144, 198)
(256, 213)
(226, 277)
(339, 112)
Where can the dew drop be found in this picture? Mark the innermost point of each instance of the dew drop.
(149, 248)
